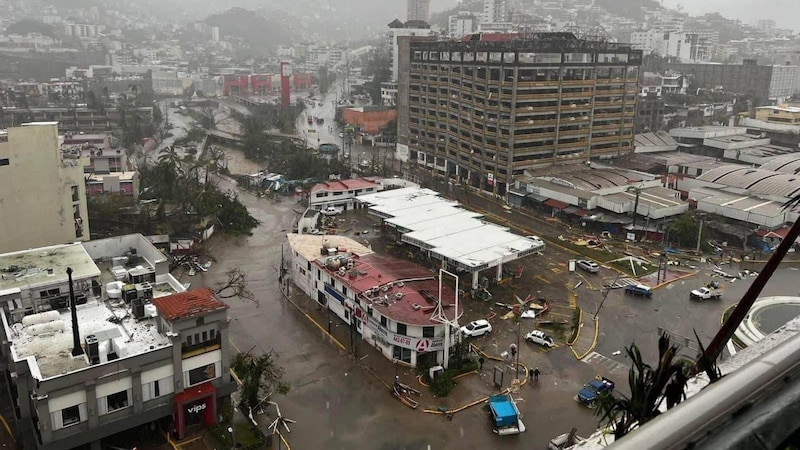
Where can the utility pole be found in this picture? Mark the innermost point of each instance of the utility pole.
(605, 295)
(699, 237)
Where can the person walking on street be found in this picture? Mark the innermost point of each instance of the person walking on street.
(480, 364)
(536, 374)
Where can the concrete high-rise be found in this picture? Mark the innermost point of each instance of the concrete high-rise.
(483, 111)
(418, 10)
(44, 192)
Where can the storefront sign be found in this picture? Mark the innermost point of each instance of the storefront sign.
(196, 408)
(413, 343)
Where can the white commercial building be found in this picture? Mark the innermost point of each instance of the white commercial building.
(461, 24)
(397, 29)
(394, 305)
(447, 232)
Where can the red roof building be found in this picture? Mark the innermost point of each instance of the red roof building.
(341, 192)
(189, 304)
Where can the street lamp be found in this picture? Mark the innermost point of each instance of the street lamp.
(233, 436)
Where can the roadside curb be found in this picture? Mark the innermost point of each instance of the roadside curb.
(321, 328)
(691, 274)
(507, 390)
(594, 341)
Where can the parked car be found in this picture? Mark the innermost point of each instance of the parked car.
(331, 211)
(589, 266)
(538, 337)
(592, 390)
(639, 290)
(476, 328)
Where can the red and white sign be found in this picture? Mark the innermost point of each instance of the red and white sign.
(423, 345)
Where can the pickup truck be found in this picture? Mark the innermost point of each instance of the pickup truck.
(594, 389)
(505, 415)
(331, 211)
(707, 292)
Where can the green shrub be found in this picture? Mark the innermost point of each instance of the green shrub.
(576, 317)
(443, 384)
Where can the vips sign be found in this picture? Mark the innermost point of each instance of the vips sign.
(196, 408)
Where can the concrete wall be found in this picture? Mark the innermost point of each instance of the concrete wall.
(37, 199)
(105, 249)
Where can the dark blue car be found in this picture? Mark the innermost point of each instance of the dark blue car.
(593, 389)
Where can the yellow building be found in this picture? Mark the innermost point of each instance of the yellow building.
(785, 115)
(42, 190)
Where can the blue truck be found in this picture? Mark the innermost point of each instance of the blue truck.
(594, 389)
(505, 415)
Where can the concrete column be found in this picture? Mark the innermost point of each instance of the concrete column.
(475, 276)
(225, 350)
(91, 404)
(43, 412)
(499, 271)
(177, 364)
(136, 390)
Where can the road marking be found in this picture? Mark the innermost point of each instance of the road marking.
(542, 279)
(555, 270)
(597, 360)
(551, 313)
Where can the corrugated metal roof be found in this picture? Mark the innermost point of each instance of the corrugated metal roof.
(785, 164)
(759, 181)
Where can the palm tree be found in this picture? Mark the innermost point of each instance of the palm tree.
(650, 387)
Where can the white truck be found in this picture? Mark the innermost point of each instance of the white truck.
(707, 292)
(331, 211)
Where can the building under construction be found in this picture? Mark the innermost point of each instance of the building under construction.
(487, 107)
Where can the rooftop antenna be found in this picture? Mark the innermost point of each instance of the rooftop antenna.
(77, 350)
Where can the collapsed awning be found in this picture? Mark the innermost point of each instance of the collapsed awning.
(557, 204)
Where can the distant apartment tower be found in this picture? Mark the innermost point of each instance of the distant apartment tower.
(214, 34)
(495, 11)
(397, 29)
(44, 192)
(461, 24)
(483, 111)
(82, 29)
(418, 10)
(761, 82)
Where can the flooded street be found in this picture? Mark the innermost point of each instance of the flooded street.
(337, 404)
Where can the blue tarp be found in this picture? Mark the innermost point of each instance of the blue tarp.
(503, 410)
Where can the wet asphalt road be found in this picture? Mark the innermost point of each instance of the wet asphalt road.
(336, 403)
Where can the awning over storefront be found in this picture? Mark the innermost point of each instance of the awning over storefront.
(537, 198)
(575, 210)
(557, 204)
(517, 192)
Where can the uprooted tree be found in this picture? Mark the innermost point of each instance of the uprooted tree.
(234, 285)
(261, 377)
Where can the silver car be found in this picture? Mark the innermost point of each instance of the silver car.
(589, 266)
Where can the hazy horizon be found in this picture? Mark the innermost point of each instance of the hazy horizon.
(783, 12)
